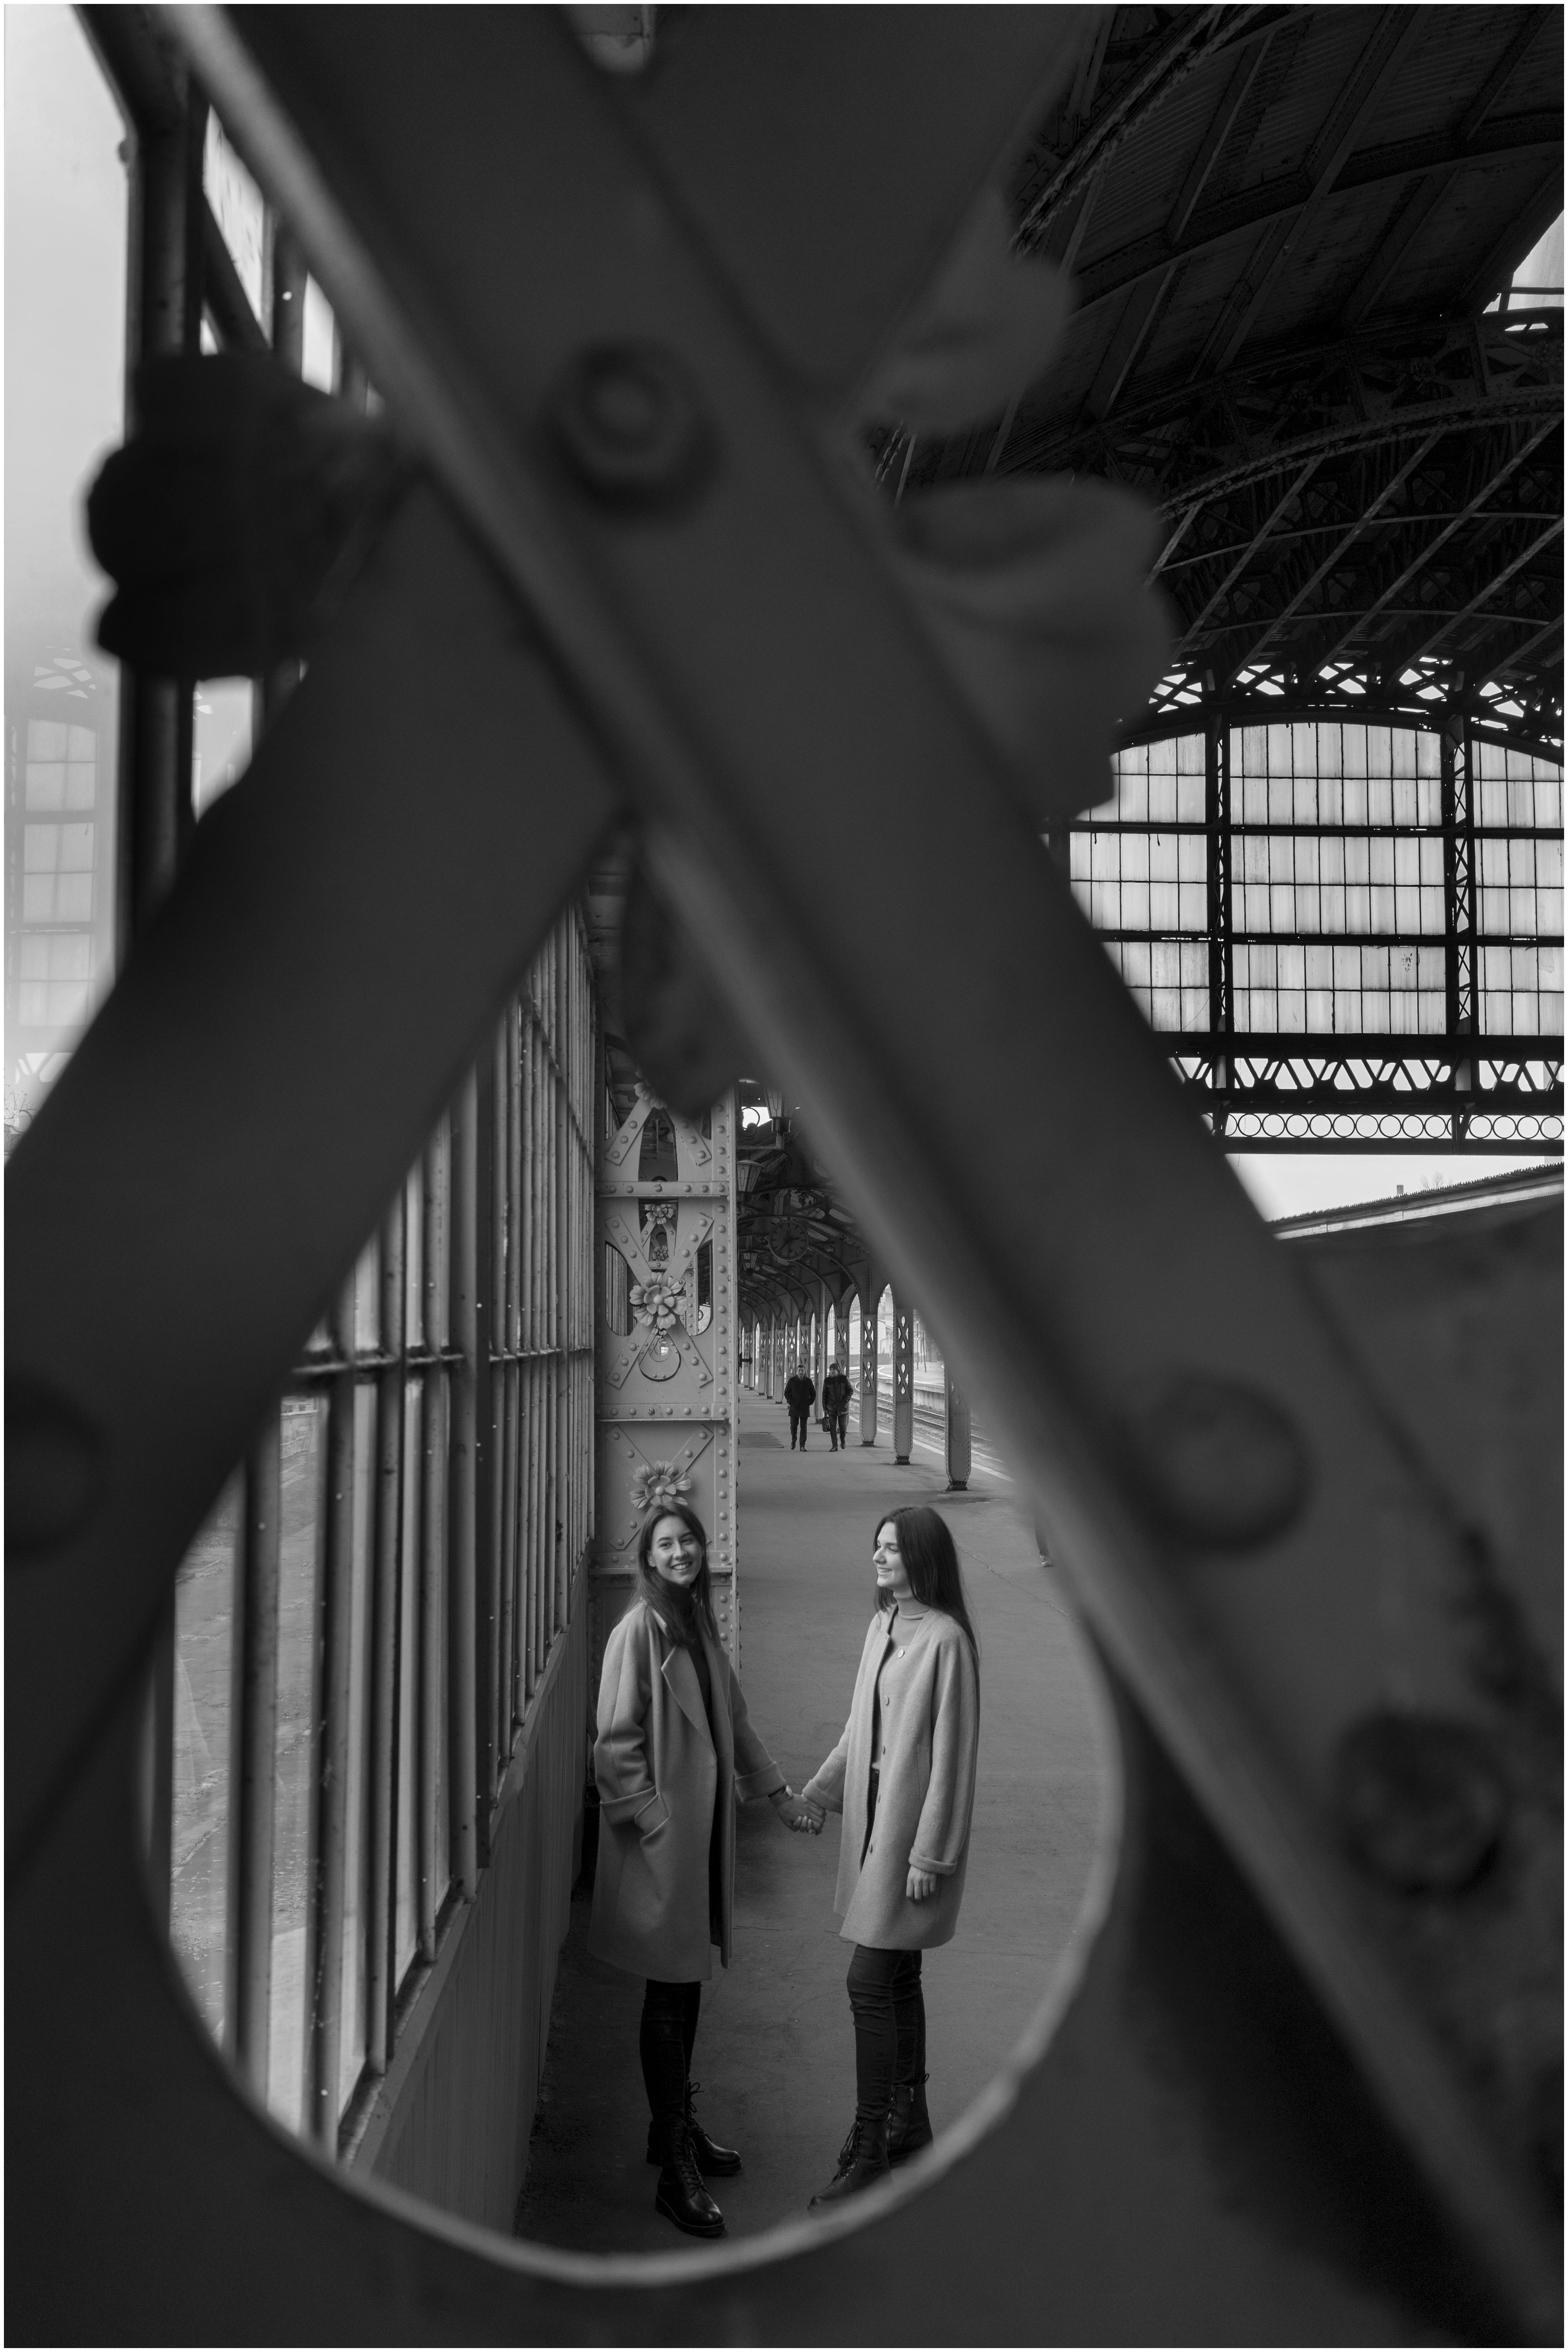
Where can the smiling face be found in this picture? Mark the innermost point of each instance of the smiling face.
(675, 1553)
(892, 1576)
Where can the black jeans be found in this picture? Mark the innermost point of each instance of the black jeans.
(798, 1424)
(838, 1425)
(890, 2011)
(665, 2042)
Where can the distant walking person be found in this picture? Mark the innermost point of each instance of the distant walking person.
(837, 1392)
(675, 1749)
(800, 1395)
(903, 1777)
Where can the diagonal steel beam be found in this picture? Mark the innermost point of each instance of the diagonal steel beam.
(1396, 32)
(1499, 579)
(1196, 36)
(1396, 483)
(1270, 214)
(1297, 483)
(307, 1000)
(1419, 564)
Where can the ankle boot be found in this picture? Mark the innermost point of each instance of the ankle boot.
(862, 2159)
(680, 2196)
(909, 2126)
(711, 2157)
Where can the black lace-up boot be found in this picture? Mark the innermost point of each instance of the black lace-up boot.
(680, 2196)
(862, 2159)
(909, 2126)
(717, 2162)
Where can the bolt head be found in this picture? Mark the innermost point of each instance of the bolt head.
(1219, 1462)
(627, 423)
(1421, 1800)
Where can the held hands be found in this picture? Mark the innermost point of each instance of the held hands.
(922, 1886)
(797, 1812)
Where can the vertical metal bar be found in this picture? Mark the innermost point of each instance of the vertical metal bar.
(535, 1365)
(329, 1880)
(513, 1551)
(521, 1231)
(1459, 895)
(526, 1455)
(495, 1565)
(1216, 825)
(525, 1369)
(543, 1370)
(386, 1611)
(156, 814)
(256, 1725)
(430, 1689)
(870, 1371)
(559, 1321)
(469, 1385)
(286, 304)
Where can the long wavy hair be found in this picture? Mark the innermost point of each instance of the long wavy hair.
(931, 1559)
(680, 1612)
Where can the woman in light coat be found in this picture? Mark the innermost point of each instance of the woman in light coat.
(675, 1748)
(903, 1777)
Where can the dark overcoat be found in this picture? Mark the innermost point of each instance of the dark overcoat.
(661, 1772)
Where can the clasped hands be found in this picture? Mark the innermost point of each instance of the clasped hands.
(798, 1813)
(804, 1814)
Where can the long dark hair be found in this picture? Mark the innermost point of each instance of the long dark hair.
(930, 1561)
(680, 1612)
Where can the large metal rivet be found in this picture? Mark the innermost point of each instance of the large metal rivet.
(628, 424)
(55, 1467)
(1219, 1462)
(1421, 1800)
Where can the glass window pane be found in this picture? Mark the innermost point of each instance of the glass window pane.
(224, 721)
(65, 311)
(237, 208)
(302, 1529)
(203, 1668)
(406, 1929)
(356, 1854)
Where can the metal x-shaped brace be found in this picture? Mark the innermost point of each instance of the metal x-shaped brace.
(729, 652)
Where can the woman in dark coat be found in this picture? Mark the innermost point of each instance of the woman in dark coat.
(903, 1777)
(675, 1748)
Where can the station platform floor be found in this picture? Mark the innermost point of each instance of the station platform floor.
(775, 2049)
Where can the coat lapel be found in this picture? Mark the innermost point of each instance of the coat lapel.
(681, 1676)
(719, 1683)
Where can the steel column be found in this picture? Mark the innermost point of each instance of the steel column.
(869, 1366)
(958, 1433)
(903, 1380)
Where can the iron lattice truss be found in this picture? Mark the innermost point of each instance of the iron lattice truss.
(1285, 228)
(793, 1234)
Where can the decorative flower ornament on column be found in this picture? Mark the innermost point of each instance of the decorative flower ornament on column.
(657, 1302)
(660, 1483)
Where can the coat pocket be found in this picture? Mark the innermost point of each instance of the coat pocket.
(653, 1816)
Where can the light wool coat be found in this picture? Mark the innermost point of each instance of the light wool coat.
(660, 1773)
(930, 1734)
